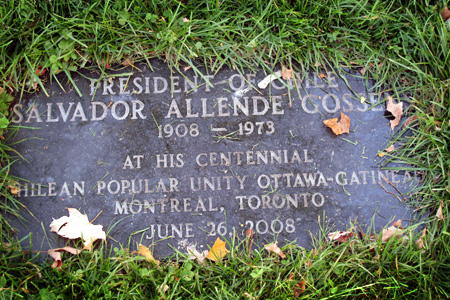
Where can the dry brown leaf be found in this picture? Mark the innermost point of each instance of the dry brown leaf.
(290, 276)
(185, 20)
(286, 73)
(194, 254)
(218, 250)
(56, 255)
(145, 252)
(439, 214)
(163, 288)
(390, 148)
(76, 226)
(299, 288)
(13, 190)
(127, 62)
(343, 126)
(445, 14)
(420, 241)
(340, 236)
(397, 224)
(275, 249)
(321, 75)
(1, 90)
(410, 120)
(389, 232)
(396, 109)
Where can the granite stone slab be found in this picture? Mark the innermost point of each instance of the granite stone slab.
(173, 159)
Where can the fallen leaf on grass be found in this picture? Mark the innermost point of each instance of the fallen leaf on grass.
(56, 255)
(439, 214)
(185, 20)
(445, 14)
(395, 230)
(286, 73)
(76, 226)
(163, 288)
(343, 126)
(396, 109)
(299, 288)
(410, 120)
(321, 75)
(420, 241)
(275, 249)
(194, 254)
(145, 252)
(340, 236)
(218, 250)
(250, 296)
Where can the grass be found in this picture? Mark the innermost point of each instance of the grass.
(403, 45)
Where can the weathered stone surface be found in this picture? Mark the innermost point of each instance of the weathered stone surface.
(168, 159)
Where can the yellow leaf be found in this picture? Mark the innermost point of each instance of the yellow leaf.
(343, 126)
(275, 249)
(145, 252)
(381, 154)
(218, 250)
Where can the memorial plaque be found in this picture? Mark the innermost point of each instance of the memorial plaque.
(174, 159)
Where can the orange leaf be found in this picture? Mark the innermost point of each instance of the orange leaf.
(396, 109)
(299, 288)
(343, 126)
(218, 250)
(397, 224)
(275, 249)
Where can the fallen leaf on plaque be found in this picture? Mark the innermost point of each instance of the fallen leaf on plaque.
(321, 75)
(268, 79)
(56, 255)
(396, 109)
(343, 126)
(381, 154)
(421, 240)
(194, 254)
(275, 249)
(398, 224)
(340, 236)
(13, 190)
(218, 250)
(145, 252)
(76, 226)
(390, 148)
(439, 214)
(286, 73)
